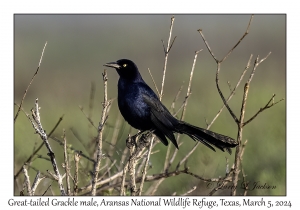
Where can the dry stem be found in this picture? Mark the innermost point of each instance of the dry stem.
(106, 105)
(36, 72)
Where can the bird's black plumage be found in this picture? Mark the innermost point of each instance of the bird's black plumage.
(142, 109)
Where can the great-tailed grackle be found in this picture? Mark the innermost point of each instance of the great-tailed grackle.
(142, 109)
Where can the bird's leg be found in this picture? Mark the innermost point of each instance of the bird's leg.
(130, 142)
(133, 139)
(144, 140)
(136, 135)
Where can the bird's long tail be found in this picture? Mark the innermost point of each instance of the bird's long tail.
(206, 137)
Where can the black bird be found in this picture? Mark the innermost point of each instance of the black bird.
(142, 109)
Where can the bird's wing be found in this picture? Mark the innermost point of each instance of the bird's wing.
(161, 118)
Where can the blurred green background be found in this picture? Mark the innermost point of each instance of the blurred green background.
(79, 45)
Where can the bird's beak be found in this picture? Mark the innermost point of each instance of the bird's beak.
(112, 65)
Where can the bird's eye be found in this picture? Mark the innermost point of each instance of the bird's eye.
(124, 65)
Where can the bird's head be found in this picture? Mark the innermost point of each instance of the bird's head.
(126, 69)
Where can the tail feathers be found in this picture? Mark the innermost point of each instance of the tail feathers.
(206, 137)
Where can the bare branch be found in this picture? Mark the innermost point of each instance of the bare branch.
(67, 168)
(267, 106)
(153, 82)
(167, 165)
(47, 190)
(73, 149)
(207, 45)
(222, 96)
(30, 83)
(36, 123)
(232, 92)
(88, 188)
(190, 84)
(160, 95)
(131, 164)
(103, 119)
(76, 160)
(155, 187)
(91, 101)
(190, 191)
(185, 103)
(245, 34)
(39, 147)
(219, 66)
(256, 63)
(36, 182)
(122, 190)
(175, 100)
(27, 181)
(108, 169)
(114, 138)
(166, 57)
(87, 117)
(238, 150)
(146, 164)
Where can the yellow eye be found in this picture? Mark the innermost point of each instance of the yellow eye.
(124, 65)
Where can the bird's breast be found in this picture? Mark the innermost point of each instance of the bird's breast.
(132, 106)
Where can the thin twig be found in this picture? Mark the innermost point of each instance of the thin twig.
(166, 57)
(99, 137)
(166, 51)
(267, 106)
(238, 150)
(232, 92)
(219, 65)
(146, 164)
(174, 155)
(241, 124)
(142, 163)
(175, 100)
(153, 82)
(39, 147)
(87, 117)
(190, 191)
(108, 169)
(245, 34)
(225, 102)
(188, 93)
(46, 190)
(168, 165)
(37, 125)
(91, 101)
(37, 70)
(73, 149)
(114, 138)
(122, 189)
(222, 96)
(207, 45)
(36, 182)
(67, 168)
(256, 64)
(88, 188)
(154, 177)
(76, 160)
(155, 187)
(27, 181)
